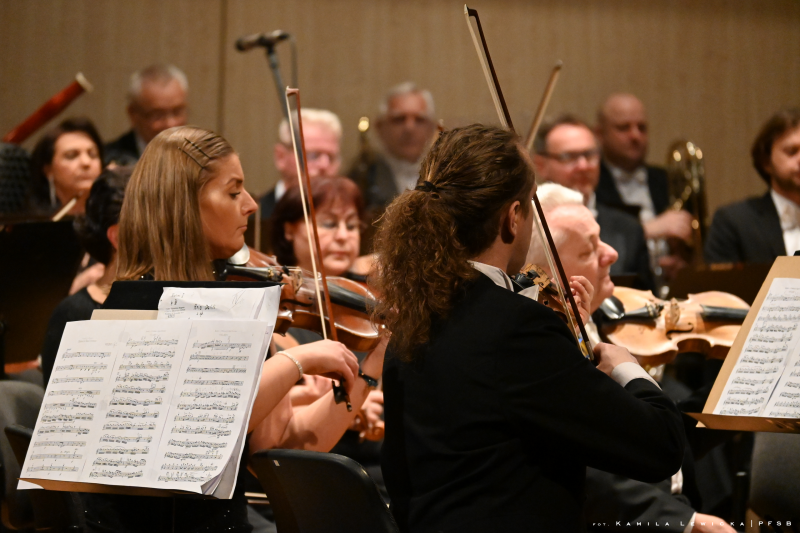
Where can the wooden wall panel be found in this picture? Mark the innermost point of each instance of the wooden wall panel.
(45, 43)
(711, 71)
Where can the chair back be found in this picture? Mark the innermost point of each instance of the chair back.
(321, 492)
(775, 476)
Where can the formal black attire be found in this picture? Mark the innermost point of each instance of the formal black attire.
(657, 183)
(123, 151)
(491, 429)
(745, 232)
(377, 183)
(78, 306)
(268, 202)
(624, 233)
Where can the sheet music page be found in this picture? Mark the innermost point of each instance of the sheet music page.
(124, 444)
(210, 304)
(766, 378)
(71, 409)
(211, 401)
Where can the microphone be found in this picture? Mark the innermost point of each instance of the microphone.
(267, 40)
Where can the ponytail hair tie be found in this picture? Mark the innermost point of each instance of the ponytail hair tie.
(426, 186)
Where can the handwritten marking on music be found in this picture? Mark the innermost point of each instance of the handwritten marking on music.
(765, 381)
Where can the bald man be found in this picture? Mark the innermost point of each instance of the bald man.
(625, 179)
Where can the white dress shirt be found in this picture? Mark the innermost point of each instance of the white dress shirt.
(789, 214)
(633, 189)
(405, 174)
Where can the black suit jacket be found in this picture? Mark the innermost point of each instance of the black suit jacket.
(608, 194)
(268, 203)
(493, 427)
(624, 233)
(745, 232)
(377, 183)
(123, 151)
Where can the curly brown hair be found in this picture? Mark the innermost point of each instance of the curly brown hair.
(784, 120)
(427, 236)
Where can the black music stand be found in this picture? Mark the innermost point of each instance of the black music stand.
(144, 295)
(742, 280)
(38, 261)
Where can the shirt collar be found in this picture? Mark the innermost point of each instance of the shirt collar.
(639, 175)
(280, 188)
(591, 204)
(140, 144)
(788, 211)
(494, 273)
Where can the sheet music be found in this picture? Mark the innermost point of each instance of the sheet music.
(766, 378)
(211, 402)
(219, 304)
(149, 403)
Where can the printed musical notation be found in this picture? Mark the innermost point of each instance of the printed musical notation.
(114, 474)
(211, 394)
(152, 353)
(132, 389)
(160, 404)
(120, 462)
(219, 419)
(762, 378)
(141, 376)
(217, 370)
(207, 357)
(130, 426)
(62, 429)
(77, 379)
(67, 417)
(214, 406)
(126, 439)
(119, 450)
(213, 382)
(202, 430)
(116, 413)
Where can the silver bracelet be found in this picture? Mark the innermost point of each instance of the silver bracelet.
(295, 361)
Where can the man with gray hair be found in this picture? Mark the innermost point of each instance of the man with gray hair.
(322, 133)
(156, 102)
(405, 127)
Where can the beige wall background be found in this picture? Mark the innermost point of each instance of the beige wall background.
(711, 70)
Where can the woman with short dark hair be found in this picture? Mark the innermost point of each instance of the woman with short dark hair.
(65, 162)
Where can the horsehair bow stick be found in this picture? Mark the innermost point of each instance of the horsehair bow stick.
(548, 92)
(304, 183)
(562, 283)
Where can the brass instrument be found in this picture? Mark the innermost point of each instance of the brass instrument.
(687, 189)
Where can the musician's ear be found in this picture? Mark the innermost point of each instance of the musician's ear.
(112, 233)
(511, 222)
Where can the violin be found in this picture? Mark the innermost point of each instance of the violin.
(299, 308)
(533, 275)
(655, 330)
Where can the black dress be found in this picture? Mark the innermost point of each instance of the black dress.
(493, 427)
(78, 306)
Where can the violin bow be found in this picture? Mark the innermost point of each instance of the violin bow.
(562, 283)
(310, 216)
(548, 92)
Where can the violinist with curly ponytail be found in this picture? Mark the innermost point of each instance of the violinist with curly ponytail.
(492, 413)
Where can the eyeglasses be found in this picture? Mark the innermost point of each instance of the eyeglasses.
(571, 158)
(157, 115)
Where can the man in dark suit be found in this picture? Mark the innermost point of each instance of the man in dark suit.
(566, 153)
(758, 230)
(156, 102)
(405, 126)
(627, 182)
(322, 136)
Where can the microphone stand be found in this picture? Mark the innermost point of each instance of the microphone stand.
(274, 65)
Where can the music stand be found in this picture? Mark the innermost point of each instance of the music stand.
(144, 295)
(742, 280)
(38, 261)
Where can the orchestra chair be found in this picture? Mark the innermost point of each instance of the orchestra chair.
(19, 404)
(53, 511)
(775, 480)
(321, 492)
